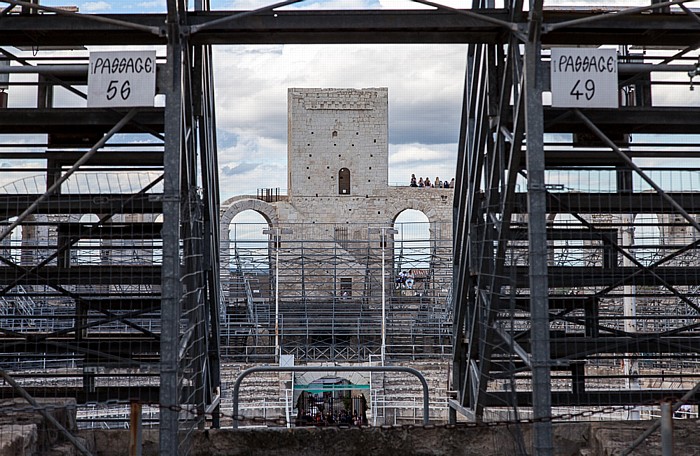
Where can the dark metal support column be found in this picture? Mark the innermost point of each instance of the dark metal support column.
(537, 233)
(171, 287)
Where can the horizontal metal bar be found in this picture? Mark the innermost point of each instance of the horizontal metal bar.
(91, 17)
(600, 17)
(347, 26)
(652, 67)
(45, 69)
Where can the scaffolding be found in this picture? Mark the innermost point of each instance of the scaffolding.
(330, 293)
(575, 227)
(575, 273)
(110, 257)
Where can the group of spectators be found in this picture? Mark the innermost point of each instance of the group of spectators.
(437, 183)
(404, 280)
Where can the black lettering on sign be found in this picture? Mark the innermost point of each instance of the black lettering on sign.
(587, 91)
(124, 65)
(586, 64)
(123, 89)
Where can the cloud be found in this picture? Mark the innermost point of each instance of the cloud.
(425, 84)
(95, 7)
(420, 153)
(251, 177)
(674, 95)
(437, 160)
(243, 168)
(252, 162)
(18, 181)
(309, 4)
(152, 5)
(424, 81)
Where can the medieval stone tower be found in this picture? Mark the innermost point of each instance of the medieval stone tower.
(337, 142)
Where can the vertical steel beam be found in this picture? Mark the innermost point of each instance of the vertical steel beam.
(135, 430)
(203, 88)
(171, 287)
(460, 225)
(537, 233)
(666, 428)
(210, 183)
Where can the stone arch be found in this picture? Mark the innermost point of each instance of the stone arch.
(235, 206)
(353, 377)
(427, 207)
(417, 205)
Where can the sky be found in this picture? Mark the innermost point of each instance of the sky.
(425, 85)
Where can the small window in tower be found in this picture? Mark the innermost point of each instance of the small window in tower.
(344, 181)
(335, 134)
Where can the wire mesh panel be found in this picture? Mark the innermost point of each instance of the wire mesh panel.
(328, 299)
(82, 256)
(616, 226)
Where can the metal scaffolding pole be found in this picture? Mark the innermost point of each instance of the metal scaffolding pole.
(171, 288)
(383, 232)
(537, 234)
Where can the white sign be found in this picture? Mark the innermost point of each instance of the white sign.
(121, 79)
(286, 360)
(584, 78)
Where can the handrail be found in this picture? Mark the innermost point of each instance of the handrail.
(409, 370)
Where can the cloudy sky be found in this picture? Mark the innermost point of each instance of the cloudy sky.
(425, 85)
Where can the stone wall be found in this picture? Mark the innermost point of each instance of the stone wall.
(334, 129)
(570, 439)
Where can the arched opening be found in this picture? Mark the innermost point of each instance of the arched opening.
(412, 251)
(245, 276)
(344, 181)
(245, 273)
(247, 243)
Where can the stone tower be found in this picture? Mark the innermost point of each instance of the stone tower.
(337, 142)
